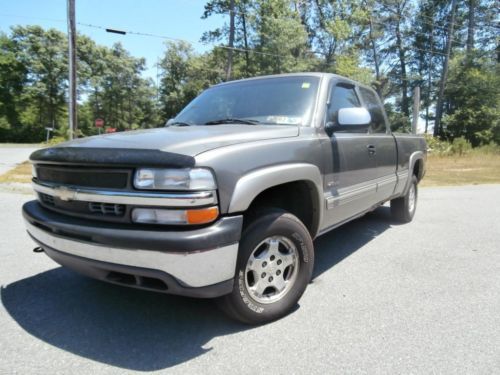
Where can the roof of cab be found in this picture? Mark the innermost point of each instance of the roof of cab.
(310, 74)
(300, 74)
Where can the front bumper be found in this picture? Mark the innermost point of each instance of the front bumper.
(198, 262)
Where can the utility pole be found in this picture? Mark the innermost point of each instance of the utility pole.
(416, 110)
(73, 127)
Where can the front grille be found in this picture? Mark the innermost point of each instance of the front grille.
(92, 210)
(48, 199)
(83, 176)
(107, 208)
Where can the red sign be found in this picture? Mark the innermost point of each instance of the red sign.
(110, 130)
(99, 122)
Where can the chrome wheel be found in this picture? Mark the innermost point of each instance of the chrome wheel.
(271, 269)
(412, 198)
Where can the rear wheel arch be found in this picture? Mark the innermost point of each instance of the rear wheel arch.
(419, 169)
(416, 168)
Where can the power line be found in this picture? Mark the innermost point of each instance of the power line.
(447, 22)
(144, 34)
(425, 34)
(237, 49)
(435, 23)
(226, 47)
(180, 40)
(189, 41)
(384, 24)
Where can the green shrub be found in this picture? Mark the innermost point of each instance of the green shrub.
(489, 149)
(460, 146)
(56, 140)
(437, 146)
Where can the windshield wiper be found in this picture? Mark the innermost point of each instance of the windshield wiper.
(179, 123)
(232, 121)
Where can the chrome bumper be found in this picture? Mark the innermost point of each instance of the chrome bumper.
(191, 269)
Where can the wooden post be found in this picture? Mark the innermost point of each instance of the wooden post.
(416, 110)
(73, 127)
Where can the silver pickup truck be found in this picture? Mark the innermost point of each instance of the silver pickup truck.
(225, 201)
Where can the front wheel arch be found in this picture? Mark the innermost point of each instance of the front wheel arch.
(254, 189)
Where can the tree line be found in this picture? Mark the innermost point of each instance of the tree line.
(450, 50)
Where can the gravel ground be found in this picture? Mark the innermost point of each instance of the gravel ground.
(419, 298)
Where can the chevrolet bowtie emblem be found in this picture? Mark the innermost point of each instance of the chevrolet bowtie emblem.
(65, 194)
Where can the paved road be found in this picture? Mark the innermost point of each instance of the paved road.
(12, 155)
(419, 298)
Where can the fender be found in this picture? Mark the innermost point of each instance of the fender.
(417, 155)
(252, 184)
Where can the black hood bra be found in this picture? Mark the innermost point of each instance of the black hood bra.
(124, 157)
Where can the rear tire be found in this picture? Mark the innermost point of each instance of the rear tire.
(403, 208)
(274, 267)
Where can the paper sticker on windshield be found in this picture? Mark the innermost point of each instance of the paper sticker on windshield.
(284, 120)
(306, 85)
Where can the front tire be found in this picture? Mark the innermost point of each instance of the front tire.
(403, 208)
(274, 266)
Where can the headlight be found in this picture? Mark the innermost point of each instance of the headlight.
(164, 216)
(33, 171)
(174, 179)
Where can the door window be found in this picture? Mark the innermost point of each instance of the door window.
(342, 97)
(373, 106)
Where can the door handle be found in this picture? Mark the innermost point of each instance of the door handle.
(371, 149)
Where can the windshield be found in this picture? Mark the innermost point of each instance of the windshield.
(277, 101)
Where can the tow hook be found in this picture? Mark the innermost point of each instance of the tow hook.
(38, 249)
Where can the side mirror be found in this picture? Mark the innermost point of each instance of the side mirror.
(169, 122)
(354, 117)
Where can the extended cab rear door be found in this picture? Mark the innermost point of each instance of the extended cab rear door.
(382, 144)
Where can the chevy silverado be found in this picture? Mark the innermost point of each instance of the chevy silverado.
(226, 199)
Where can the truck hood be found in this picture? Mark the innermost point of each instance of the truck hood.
(186, 140)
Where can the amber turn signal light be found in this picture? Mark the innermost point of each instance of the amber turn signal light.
(202, 216)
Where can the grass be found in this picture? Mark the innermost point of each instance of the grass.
(21, 173)
(471, 169)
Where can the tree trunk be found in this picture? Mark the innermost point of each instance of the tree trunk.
(404, 80)
(376, 61)
(245, 41)
(301, 10)
(429, 78)
(231, 41)
(444, 73)
(470, 27)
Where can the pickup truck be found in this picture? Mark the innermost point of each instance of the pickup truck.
(225, 200)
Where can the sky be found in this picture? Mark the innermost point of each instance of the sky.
(180, 19)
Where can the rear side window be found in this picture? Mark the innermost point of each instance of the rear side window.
(342, 97)
(373, 106)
